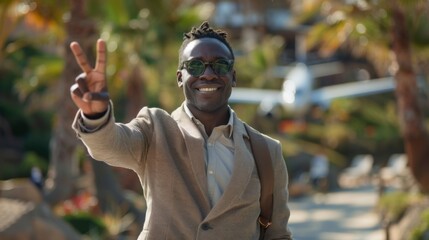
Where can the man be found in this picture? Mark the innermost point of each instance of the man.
(319, 171)
(195, 165)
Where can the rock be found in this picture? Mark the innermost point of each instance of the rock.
(21, 189)
(24, 215)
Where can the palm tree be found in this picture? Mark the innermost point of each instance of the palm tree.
(390, 35)
(409, 110)
(63, 170)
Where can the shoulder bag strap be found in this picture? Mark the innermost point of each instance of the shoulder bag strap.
(264, 166)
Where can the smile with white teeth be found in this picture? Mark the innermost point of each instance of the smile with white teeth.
(207, 89)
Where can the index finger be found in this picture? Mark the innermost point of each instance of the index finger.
(80, 57)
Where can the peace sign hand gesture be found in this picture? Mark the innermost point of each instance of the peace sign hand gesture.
(89, 93)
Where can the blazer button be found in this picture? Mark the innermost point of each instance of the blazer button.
(205, 226)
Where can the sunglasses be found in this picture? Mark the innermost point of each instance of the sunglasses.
(197, 67)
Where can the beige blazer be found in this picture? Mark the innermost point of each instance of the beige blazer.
(167, 153)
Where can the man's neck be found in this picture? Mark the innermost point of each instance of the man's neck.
(210, 120)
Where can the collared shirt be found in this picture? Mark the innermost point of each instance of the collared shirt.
(219, 156)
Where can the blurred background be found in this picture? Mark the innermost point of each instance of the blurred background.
(375, 146)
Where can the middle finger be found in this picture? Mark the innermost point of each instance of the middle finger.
(100, 65)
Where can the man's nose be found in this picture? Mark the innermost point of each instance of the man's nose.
(208, 73)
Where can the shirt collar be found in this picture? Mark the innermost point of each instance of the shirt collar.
(230, 123)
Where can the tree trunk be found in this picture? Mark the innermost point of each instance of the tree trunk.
(413, 130)
(135, 93)
(63, 169)
(110, 193)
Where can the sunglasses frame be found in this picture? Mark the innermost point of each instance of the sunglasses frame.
(229, 61)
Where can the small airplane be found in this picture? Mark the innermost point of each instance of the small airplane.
(297, 93)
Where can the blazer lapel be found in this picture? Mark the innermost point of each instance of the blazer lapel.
(195, 147)
(241, 174)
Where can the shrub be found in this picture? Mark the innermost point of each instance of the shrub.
(393, 205)
(86, 223)
(421, 231)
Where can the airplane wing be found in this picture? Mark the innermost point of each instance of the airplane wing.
(354, 89)
(254, 95)
(320, 95)
(267, 99)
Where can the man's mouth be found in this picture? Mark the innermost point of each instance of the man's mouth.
(207, 89)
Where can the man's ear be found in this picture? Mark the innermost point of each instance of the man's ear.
(234, 80)
(179, 78)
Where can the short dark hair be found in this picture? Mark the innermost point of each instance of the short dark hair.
(203, 31)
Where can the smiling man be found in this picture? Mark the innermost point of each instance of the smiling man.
(195, 165)
(207, 77)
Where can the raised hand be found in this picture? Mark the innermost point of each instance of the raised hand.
(89, 92)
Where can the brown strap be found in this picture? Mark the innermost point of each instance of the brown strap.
(264, 166)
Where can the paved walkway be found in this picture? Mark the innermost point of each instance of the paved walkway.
(341, 215)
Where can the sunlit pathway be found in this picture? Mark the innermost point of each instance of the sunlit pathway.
(341, 215)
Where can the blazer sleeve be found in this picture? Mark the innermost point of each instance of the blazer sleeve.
(281, 213)
(117, 144)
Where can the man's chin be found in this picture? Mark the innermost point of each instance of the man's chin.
(210, 108)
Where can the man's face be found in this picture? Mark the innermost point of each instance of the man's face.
(208, 92)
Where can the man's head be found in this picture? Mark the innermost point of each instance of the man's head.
(206, 71)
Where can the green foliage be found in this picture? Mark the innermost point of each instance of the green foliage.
(368, 123)
(38, 142)
(40, 79)
(364, 27)
(253, 66)
(31, 159)
(392, 205)
(421, 231)
(27, 96)
(86, 224)
(12, 111)
(23, 170)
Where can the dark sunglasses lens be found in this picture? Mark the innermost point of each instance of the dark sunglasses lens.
(221, 67)
(195, 67)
